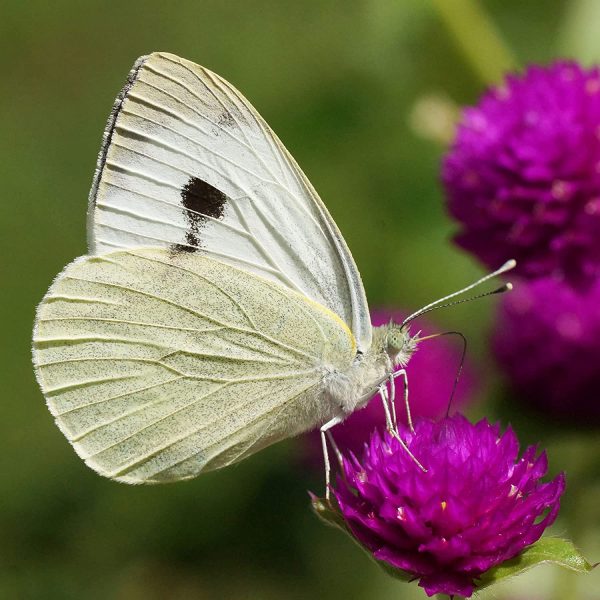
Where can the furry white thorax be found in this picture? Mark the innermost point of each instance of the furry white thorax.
(391, 347)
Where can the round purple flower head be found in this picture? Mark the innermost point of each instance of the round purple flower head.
(477, 505)
(547, 340)
(523, 174)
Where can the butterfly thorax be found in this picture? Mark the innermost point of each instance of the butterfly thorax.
(391, 347)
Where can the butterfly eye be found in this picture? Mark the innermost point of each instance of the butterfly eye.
(396, 340)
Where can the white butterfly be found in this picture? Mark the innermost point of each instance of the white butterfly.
(219, 309)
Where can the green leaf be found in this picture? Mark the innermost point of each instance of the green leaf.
(328, 511)
(547, 550)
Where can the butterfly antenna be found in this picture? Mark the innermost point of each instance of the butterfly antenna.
(459, 371)
(507, 266)
(461, 364)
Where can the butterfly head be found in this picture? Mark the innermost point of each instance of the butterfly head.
(399, 343)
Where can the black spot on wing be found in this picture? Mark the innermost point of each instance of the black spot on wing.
(200, 201)
(226, 120)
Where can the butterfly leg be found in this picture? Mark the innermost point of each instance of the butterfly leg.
(337, 453)
(325, 434)
(385, 400)
(394, 432)
(402, 373)
(392, 401)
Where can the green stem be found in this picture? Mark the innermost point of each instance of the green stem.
(478, 38)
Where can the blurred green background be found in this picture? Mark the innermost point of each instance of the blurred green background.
(362, 93)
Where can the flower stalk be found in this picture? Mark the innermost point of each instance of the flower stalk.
(478, 39)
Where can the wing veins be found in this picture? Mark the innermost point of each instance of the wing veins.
(241, 107)
(275, 180)
(206, 87)
(193, 312)
(263, 251)
(106, 242)
(209, 281)
(245, 233)
(220, 357)
(124, 169)
(204, 116)
(281, 241)
(57, 341)
(128, 322)
(124, 415)
(86, 383)
(161, 144)
(267, 134)
(203, 250)
(189, 211)
(161, 108)
(115, 397)
(144, 324)
(160, 420)
(287, 401)
(218, 287)
(297, 204)
(55, 297)
(95, 359)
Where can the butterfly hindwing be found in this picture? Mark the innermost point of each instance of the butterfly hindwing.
(158, 365)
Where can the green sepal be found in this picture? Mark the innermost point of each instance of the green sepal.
(546, 550)
(329, 513)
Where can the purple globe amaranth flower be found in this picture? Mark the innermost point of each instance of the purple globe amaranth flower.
(523, 174)
(431, 372)
(547, 340)
(477, 505)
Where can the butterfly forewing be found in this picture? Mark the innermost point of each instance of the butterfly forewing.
(187, 163)
(158, 365)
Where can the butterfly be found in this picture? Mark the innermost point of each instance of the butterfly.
(219, 309)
